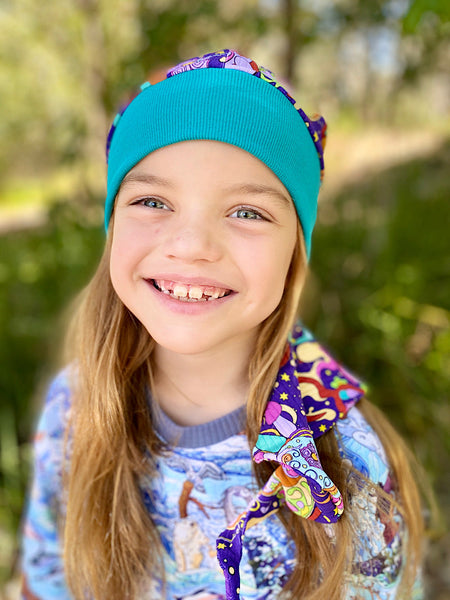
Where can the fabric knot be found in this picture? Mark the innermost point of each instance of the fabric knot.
(311, 393)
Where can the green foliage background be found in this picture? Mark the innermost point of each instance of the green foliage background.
(378, 292)
(381, 297)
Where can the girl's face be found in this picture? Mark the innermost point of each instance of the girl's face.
(202, 241)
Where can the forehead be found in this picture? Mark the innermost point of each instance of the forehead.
(206, 162)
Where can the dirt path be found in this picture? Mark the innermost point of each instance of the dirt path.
(350, 157)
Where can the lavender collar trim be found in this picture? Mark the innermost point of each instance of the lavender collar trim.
(311, 393)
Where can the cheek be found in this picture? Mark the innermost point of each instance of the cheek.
(280, 263)
(281, 255)
(123, 255)
(269, 266)
(116, 267)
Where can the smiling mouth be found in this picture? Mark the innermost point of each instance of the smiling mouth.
(189, 293)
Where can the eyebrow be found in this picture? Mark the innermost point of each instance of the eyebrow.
(145, 178)
(240, 188)
(257, 188)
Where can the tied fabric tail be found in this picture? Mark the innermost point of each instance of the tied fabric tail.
(309, 396)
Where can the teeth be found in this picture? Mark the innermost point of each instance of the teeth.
(195, 292)
(190, 293)
(180, 291)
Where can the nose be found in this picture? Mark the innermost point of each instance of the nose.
(193, 239)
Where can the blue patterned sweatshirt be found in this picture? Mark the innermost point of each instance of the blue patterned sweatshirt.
(203, 484)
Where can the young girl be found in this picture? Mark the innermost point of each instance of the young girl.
(188, 363)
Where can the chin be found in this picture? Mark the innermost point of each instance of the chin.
(180, 342)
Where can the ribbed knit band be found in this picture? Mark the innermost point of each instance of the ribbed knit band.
(225, 105)
(199, 436)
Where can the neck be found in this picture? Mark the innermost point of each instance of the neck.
(195, 389)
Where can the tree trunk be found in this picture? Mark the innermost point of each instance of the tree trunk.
(289, 10)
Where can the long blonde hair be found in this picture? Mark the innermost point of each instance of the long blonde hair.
(111, 545)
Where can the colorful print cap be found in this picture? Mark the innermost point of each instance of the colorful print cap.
(225, 97)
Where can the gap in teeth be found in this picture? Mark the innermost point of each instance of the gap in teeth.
(189, 293)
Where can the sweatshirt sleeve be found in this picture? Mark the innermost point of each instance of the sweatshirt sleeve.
(42, 566)
(380, 532)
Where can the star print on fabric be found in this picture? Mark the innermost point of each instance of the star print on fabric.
(309, 378)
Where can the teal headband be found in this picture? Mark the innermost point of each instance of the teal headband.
(228, 105)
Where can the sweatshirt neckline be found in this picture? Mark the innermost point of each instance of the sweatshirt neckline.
(197, 436)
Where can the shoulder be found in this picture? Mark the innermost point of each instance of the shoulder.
(380, 539)
(42, 568)
(56, 406)
(50, 433)
(360, 445)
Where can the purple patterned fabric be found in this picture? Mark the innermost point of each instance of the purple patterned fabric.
(311, 393)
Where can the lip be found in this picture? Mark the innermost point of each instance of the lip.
(188, 308)
(194, 280)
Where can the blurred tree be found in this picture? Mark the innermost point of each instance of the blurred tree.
(40, 271)
(57, 69)
(377, 47)
(426, 26)
(65, 70)
(174, 30)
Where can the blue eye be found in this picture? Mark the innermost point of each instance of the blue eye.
(153, 203)
(247, 214)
